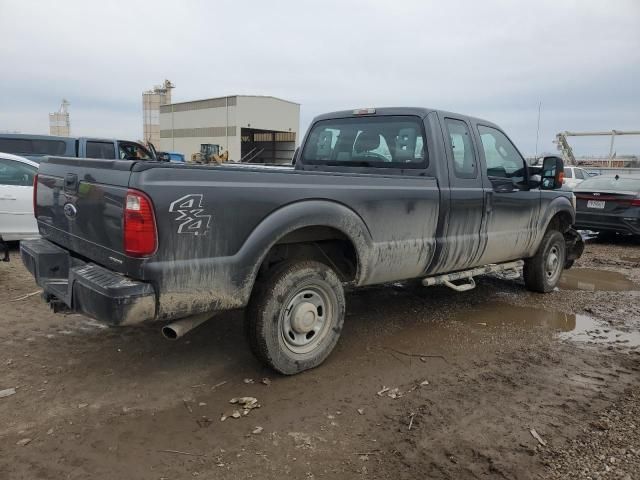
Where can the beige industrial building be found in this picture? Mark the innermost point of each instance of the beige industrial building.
(59, 122)
(151, 102)
(251, 128)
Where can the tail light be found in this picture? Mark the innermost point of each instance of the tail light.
(140, 234)
(635, 202)
(35, 194)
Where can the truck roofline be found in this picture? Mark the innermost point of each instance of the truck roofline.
(416, 111)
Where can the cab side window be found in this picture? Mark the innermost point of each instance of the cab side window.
(461, 145)
(16, 173)
(503, 160)
(100, 150)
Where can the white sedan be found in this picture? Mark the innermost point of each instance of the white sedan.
(17, 221)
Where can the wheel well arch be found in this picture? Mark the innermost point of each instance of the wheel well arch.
(324, 244)
(561, 221)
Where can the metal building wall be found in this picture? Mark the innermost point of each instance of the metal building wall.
(184, 126)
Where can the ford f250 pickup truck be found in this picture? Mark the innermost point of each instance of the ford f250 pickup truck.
(374, 196)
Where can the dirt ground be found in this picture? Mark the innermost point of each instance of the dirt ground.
(476, 373)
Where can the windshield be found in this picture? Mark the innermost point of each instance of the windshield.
(386, 141)
(628, 184)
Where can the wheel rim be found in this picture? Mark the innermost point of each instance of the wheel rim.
(306, 319)
(553, 264)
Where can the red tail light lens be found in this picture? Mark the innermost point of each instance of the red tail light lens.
(35, 194)
(635, 202)
(140, 237)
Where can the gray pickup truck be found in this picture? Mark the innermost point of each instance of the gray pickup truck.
(37, 147)
(374, 196)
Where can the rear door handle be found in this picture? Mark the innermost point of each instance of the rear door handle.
(7, 197)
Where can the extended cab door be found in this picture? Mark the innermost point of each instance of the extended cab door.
(460, 239)
(512, 208)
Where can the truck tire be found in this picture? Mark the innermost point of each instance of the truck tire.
(295, 316)
(542, 271)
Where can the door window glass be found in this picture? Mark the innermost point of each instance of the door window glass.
(503, 160)
(101, 150)
(461, 145)
(568, 173)
(16, 173)
(132, 151)
(579, 174)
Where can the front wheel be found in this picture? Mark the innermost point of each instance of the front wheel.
(542, 271)
(295, 316)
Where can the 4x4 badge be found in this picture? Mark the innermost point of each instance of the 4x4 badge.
(190, 216)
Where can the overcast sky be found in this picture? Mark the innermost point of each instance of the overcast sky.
(491, 59)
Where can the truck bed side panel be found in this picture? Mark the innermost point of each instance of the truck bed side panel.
(206, 216)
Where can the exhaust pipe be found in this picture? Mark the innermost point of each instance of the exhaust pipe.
(179, 328)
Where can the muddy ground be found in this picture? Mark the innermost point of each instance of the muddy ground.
(93, 402)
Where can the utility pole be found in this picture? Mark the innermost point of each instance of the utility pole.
(538, 129)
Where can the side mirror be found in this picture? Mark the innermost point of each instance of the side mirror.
(552, 173)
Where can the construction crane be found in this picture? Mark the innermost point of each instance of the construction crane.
(567, 152)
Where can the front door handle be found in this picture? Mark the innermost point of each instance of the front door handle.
(7, 197)
(488, 206)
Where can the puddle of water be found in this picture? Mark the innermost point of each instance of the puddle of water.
(595, 280)
(527, 318)
(511, 321)
(592, 331)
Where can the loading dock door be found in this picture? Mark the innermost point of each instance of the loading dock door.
(267, 146)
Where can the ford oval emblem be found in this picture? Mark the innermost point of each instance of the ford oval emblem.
(70, 210)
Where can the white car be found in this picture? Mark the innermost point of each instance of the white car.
(17, 221)
(574, 176)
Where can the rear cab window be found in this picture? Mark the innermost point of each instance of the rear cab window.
(379, 142)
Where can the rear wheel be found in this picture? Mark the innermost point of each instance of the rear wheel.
(295, 316)
(542, 271)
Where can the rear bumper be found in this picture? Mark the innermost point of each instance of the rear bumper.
(604, 222)
(70, 283)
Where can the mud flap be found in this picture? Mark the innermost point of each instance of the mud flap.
(575, 247)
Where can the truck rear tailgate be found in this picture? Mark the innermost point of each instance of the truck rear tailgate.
(79, 206)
